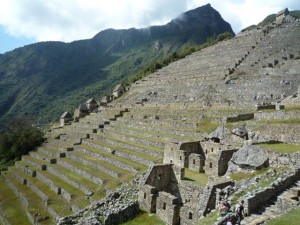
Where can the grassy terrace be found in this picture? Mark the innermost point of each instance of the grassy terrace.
(281, 147)
(200, 179)
(290, 218)
(109, 182)
(35, 204)
(145, 219)
(136, 144)
(59, 204)
(138, 166)
(154, 133)
(203, 126)
(15, 213)
(124, 175)
(126, 150)
(99, 191)
(136, 133)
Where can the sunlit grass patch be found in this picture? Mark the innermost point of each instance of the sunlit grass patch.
(200, 179)
(281, 147)
(291, 218)
(145, 218)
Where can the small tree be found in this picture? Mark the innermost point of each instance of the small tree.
(18, 138)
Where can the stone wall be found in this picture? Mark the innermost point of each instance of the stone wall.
(223, 159)
(191, 195)
(127, 212)
(260, 198)
(167, 208)
(241, 117)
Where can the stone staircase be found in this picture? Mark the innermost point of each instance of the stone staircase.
(273, 208)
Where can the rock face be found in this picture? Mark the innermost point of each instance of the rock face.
(218, 134)
(241, 131)
(248, 157)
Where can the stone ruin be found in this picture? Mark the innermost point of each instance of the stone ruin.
(165, 192)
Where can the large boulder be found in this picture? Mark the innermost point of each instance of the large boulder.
(249, 157)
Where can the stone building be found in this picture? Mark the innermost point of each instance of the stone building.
(118, 91)
(159, 192)
(208, 156)
(217, 156)
(105, 100)
(176, 201)
(66, 117)
(185, 155)
(91, 105)
(282, 13)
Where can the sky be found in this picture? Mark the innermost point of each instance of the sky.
(23, 22)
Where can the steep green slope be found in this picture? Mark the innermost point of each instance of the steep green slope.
(44, 79)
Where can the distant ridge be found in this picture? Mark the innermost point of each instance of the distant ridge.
(44, 79)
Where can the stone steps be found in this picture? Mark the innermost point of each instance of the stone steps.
(114, 139)
(270, 210)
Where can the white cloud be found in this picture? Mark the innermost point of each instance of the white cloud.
(69, 20)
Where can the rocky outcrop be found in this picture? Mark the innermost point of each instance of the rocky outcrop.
(119, 207)
(249, 157)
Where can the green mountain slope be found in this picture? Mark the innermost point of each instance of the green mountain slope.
(44, 79)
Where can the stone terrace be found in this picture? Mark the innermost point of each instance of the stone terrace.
(262, 64)
(82, 162)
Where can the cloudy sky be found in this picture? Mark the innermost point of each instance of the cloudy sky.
(29, 21)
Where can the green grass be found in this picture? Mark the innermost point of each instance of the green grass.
(292, 121)
(145, 219)
(34, 201)
(241, 176)
(200, 179)
(15, 213)
(290, 218)
(209, 219)
(282, 147)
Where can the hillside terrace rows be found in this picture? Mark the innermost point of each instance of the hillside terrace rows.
(275, 48)
(78, 165)
(225, 73)
(82, 162)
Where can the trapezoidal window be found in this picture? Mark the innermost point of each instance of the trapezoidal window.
(145, 195)
(159, 176)
(210, 165)
(164, 205)
(194, 161)
(180, 157)
(190, 215)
